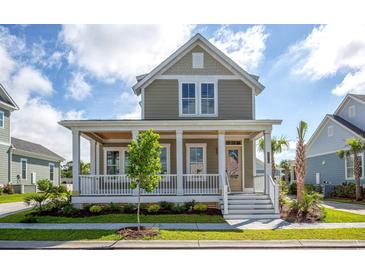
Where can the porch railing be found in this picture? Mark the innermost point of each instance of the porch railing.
(274, 193)
(259, 183)
(200, 184)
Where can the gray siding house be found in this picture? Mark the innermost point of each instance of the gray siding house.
(323, 164)
(22, 163)
(203, 106)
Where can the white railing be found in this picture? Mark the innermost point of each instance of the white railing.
(274, 193)
(259, 183)
(200, 184)
(120, 185)
(226, 188)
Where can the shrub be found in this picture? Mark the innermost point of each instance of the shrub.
(189, 205)
(1, 190)
(112, 207)
(29, 219)
(166, 205)
(313, 188)
(178, 209)
(310, 201)
(37, 199)
(153, 208)
(44, 185)
(129, 208)
(200, 207)
(9, 189)
(283, 191)
(345, 190)
(69, 210)
(292, 190)
(95, 209)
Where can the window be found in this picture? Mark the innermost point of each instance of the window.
(207, 98)
(112, 162)
(51, 172)
(188, 98)
(196, 159)
(125, 160)
(1, 119)
(349, 165)
(352, 111)
(330, 131)
(23, 167)
(165, 159)
(198, 60)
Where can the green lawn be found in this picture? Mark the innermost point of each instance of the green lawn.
(11, 198)
(338, 216)
(102, 235)
(347, 201)
(120, 218)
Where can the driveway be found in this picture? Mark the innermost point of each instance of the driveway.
(353, 208)
(10, 208)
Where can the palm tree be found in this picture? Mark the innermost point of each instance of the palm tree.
(284, 164)
(277, 146)
(300, 159)
(355, 146)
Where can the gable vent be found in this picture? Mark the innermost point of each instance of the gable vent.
(198, 60)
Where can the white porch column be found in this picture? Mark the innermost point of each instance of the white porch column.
(92, 157)
(97, 158)
(179, 162)
(267, 159)
(134, 134)
(75, 162)
(222, 156)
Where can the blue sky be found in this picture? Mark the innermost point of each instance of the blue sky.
(71, 72)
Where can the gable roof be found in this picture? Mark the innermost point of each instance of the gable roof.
(6, 100)
(33, 148)
(357, 97)
(250, 79)
(349, 125)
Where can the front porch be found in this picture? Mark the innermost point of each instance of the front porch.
(202, 161)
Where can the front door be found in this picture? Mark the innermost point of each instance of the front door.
(234, 167)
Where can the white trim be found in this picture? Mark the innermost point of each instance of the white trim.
(181, 114)
(330, 131)
(120, 150)
(36, 155)
(323, 153)
(344, 102)
(21, 169)
(168, 157)
(253, 105)
(49, 171)
(7, 96)
(2, 113)
(142, 102)
(362, 167)
(197, 77)
(191, 145)
(5, 144)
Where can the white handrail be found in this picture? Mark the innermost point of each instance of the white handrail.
(274, 193)
(227, 182)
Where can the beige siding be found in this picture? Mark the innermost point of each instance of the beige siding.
(212, 154)
(5, 132)
(184, 65)
(248, 163)
(162, 100)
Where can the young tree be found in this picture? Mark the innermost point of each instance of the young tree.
(284, 164)
(300, 159)
(277, 146)
(354, 147)
(144, 164)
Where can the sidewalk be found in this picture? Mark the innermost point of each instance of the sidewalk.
(353, 208)
(232, 225)
(197, 244)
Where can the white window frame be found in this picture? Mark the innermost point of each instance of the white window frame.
(352, 111)
(168, 159)
(198, 60)
(2, 115)
(330, 131)
(362, 166)
(121, 158)
(191, 145)
(49, 166)
(21, 169)
(198, 83)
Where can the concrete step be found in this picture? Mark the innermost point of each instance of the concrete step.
(250, 216)
(247, 197)
(247, 202)
(251, 211)
(250, 206)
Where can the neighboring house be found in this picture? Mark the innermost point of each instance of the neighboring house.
(21, 162)
(261, 170)
(323, 164)
(203, 106)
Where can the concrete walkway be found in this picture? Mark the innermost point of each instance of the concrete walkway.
(353, 208)
(197, 244)
(11, 208)
(232, 225)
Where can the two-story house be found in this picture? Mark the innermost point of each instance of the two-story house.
(22, 163)
(323, 163)
(203, 106)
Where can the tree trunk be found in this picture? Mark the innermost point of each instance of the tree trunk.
(138, 208)
(300, 169)
(357, 175)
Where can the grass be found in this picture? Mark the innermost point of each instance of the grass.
(11, 198)
(103, 235)
(119, 218)
(338, 216)
(344, 200)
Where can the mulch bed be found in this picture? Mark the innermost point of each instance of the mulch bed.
(132, 233)
(314, 215)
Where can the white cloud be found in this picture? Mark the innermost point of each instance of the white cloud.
(122, 51)
(331, 49)
(244, 47)
(135, 114)
(78, 88)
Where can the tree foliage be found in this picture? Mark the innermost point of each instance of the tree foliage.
(66, 169)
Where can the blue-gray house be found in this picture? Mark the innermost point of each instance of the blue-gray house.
(323, 164)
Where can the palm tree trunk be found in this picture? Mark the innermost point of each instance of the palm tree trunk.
(138, 208)
(272, 166)
(357, 175)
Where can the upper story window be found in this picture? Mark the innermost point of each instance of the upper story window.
(198, 99)
(330, 131)
(352, 111)
(198, 60)
(2, 122)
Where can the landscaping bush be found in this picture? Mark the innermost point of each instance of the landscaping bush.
(200, 207)
(1, 190)
(189, 205)
(69, 210)
(96, 209)
(9, 189)
(153, 208)
(283, 191)
(309, 188)
(29, 219)
(345, 190)
(37, 199)
(292, 189)
(129, 208)
(112, 207)
(166, 205)
(178, 209)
